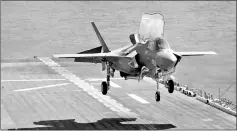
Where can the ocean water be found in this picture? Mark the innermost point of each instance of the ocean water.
(43, 28)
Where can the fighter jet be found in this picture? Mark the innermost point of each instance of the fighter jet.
(149, 55)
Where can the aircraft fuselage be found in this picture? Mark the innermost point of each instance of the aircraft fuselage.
(123, 65)
(162, 58)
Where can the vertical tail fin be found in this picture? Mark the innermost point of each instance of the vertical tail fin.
(102, 42)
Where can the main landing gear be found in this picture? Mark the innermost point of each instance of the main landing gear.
(104, 88)
(105, 85)
(170, 85)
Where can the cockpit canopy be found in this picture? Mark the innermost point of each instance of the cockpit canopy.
(157, 44)
(151, 26)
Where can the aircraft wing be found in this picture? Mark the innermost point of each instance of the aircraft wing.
(192, 53)
(80, 55)
(92, 58)
(151, 26)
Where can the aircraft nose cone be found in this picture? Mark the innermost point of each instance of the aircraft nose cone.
(168, 60)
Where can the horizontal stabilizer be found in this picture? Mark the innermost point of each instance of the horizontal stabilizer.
(84, 56)
(94, 50)
(194, 53)
(80, 55)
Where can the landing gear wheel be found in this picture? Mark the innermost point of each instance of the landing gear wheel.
(104, 88)
(157, 96)
(170, 86)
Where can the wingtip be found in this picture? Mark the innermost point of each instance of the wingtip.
(214, 53)
(55, 56)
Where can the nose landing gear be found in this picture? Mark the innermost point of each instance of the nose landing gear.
(168, 84)
(157, 95)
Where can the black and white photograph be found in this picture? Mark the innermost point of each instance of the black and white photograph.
(118, 65)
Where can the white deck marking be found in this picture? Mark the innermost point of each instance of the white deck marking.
(33, 80)
(6, 120)
(149, 80)
(76, 90)
(103, 79)
(36, 88)
(138, 99)
(98, 79)
(95, 93)
(96, 84)
(208, 119)
(17, 64)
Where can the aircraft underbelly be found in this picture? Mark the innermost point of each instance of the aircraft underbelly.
(122, 65)
(147, 61)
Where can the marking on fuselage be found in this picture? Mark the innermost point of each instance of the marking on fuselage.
(153, 62)
(95, 93)
(139, 99)
(102, 79)
(42, 87)
(32, 80)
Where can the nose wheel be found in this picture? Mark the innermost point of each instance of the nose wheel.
(157, 94)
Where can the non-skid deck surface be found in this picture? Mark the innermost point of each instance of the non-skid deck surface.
(58, 95)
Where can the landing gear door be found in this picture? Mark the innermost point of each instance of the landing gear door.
(133, 63)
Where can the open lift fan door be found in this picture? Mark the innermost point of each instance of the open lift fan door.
(151, 26)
